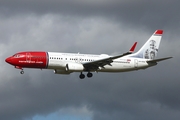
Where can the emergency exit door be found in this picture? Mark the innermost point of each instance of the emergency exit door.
(135, 63)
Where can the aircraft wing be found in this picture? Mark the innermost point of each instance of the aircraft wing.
(94, 65)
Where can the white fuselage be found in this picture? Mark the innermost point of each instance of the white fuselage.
(60, 60)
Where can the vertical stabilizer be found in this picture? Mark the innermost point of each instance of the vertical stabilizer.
(150, 49)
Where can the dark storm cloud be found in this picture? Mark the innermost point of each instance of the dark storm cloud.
(149, 14)
(91, 27)
(115, 96)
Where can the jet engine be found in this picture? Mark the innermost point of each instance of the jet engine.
(74, 67)
(61, 72)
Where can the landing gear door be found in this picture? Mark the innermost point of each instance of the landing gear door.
(135, 63)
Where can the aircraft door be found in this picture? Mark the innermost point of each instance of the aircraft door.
(135, 63)
(28, 57)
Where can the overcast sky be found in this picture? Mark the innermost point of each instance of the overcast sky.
(96, 27)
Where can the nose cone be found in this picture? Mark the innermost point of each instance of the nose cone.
(8, 60)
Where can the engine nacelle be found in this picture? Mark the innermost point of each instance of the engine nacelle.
(61, 72)
(74, 67)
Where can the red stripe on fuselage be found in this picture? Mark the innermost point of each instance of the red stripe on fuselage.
(30, 59)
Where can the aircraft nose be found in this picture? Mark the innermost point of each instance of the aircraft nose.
(8, 60)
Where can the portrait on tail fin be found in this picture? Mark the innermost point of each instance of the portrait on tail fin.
(152, 51)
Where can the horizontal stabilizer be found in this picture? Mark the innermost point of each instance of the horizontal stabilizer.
(158, 60)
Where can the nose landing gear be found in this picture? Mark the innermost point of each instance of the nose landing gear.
(22, 72)
(19, 67)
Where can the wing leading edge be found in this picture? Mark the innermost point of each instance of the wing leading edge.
(95, 65)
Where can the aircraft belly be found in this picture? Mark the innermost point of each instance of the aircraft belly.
(117, 67)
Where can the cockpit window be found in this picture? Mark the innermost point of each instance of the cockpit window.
(17, 55)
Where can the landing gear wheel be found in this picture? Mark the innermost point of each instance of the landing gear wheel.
(22, 72)
(89, 75)
(81, 76)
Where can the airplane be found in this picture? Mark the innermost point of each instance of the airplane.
(66, 63)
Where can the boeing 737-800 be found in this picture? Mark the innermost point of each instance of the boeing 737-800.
(66, 63)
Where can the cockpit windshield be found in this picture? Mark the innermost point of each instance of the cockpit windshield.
(17, 55)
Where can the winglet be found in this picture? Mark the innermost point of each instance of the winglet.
(133, 47)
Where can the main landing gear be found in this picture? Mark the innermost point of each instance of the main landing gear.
(82, 76)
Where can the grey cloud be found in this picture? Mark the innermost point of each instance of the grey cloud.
(122, 95)
(89, 27)
(148, 14)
